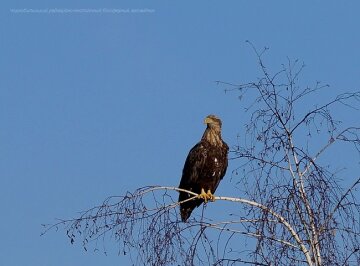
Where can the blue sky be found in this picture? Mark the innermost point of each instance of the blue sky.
(95, 104)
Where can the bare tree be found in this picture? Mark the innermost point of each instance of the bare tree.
(293, 209)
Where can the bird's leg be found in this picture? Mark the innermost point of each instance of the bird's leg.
(210, 196)
(203, 195)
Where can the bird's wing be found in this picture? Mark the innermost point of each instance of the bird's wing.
(194, 165)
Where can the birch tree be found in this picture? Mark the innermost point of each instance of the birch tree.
(293, 208)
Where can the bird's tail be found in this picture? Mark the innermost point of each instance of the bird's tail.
(185, 214)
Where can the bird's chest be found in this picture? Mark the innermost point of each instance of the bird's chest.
(214, 163)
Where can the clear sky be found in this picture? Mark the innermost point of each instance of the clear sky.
(93, 104)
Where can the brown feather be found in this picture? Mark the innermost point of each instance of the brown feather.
(204, 167)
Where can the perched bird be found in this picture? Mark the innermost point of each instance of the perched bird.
(204, 167)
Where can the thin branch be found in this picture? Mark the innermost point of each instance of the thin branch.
(280, 218)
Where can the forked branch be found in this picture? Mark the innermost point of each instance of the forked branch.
(121, 217)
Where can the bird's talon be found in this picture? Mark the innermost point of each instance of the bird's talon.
(203, 195)
(210, 196)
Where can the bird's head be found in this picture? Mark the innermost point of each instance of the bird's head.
(213, 122)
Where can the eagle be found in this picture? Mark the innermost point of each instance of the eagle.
(204, 168)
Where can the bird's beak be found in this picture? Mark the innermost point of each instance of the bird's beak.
(207, 120)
